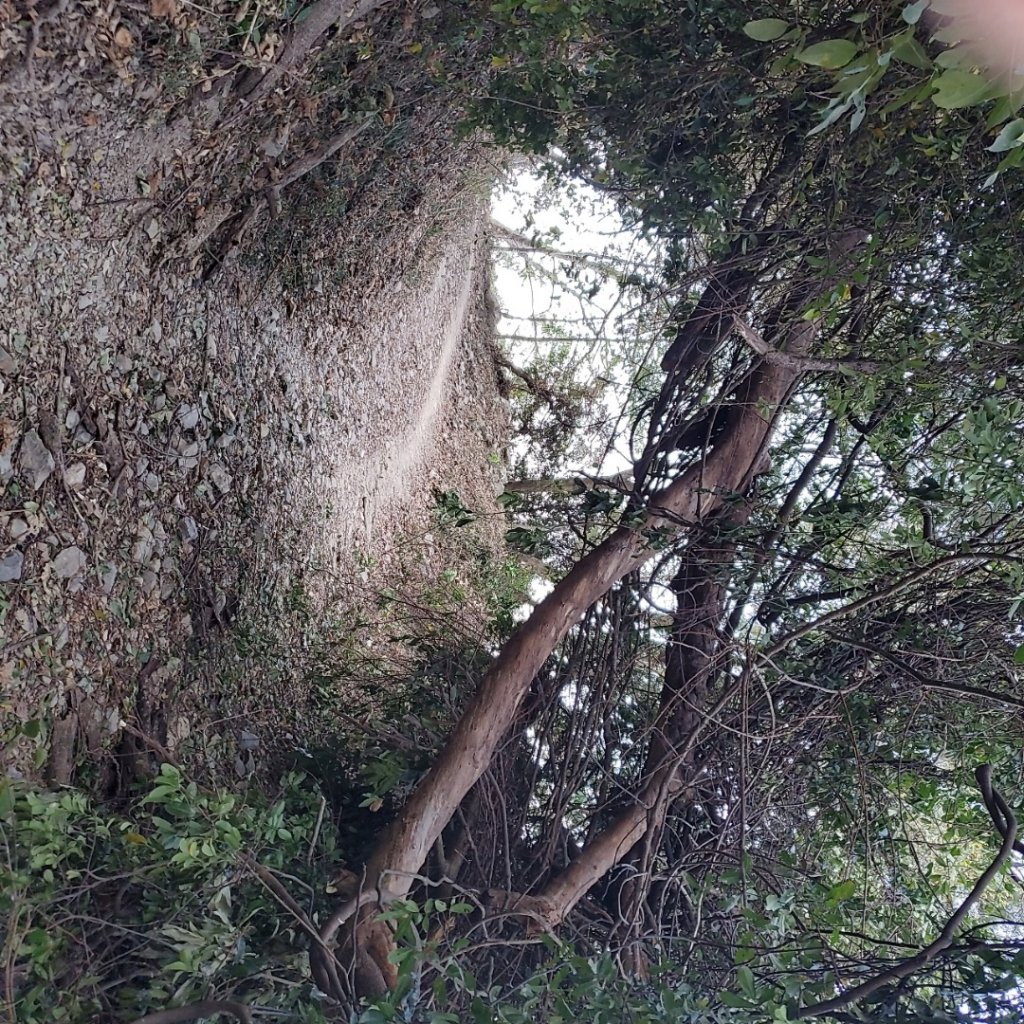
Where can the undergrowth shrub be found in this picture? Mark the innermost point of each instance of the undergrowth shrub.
(108, 914)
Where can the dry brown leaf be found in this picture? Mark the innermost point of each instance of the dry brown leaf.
(163, 8)
(308, 105)
(123, 38)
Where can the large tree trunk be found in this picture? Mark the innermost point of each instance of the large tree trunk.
(693, 660)
(700, 492)
(728, 470)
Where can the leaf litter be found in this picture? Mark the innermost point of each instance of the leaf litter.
(180, 461)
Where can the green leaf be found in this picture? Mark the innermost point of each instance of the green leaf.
(842, 891)
(764, 30)
(744, 954)
(6, 799)
(955, 57)
(745, 980)
(912, 12)
(733, 1000)
(911, 52)
(157, 794)
(955, 89)
(833, 112)
(829, 54)
(1018, 655)
(1003, 109)
(1011, 136)
(905, 98)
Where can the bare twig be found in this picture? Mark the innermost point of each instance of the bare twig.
(271, 196)
(316, 830)
(153, 744)
(323, 964)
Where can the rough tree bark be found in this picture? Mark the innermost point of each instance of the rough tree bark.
(737, 456)
(692, 663)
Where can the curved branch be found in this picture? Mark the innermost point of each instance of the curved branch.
(903, 583)
(964, 689)
(1006, 825)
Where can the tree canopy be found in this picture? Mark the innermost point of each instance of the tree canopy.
(826, 481)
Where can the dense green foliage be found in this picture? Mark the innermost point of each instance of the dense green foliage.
(109, 914)
(873, 582)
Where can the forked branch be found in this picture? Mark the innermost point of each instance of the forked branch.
(807, 364)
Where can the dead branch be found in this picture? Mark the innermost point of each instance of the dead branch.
(318, 20)
(271, 196)
(36, 22)
(571, 485)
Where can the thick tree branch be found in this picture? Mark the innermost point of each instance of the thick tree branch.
(706, 487)
(804, 363)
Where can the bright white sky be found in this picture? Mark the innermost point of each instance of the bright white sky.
(532, 286)
(569, 219)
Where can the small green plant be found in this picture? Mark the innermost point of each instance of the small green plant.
(452, 512)
(109, 914)
(530, 540)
